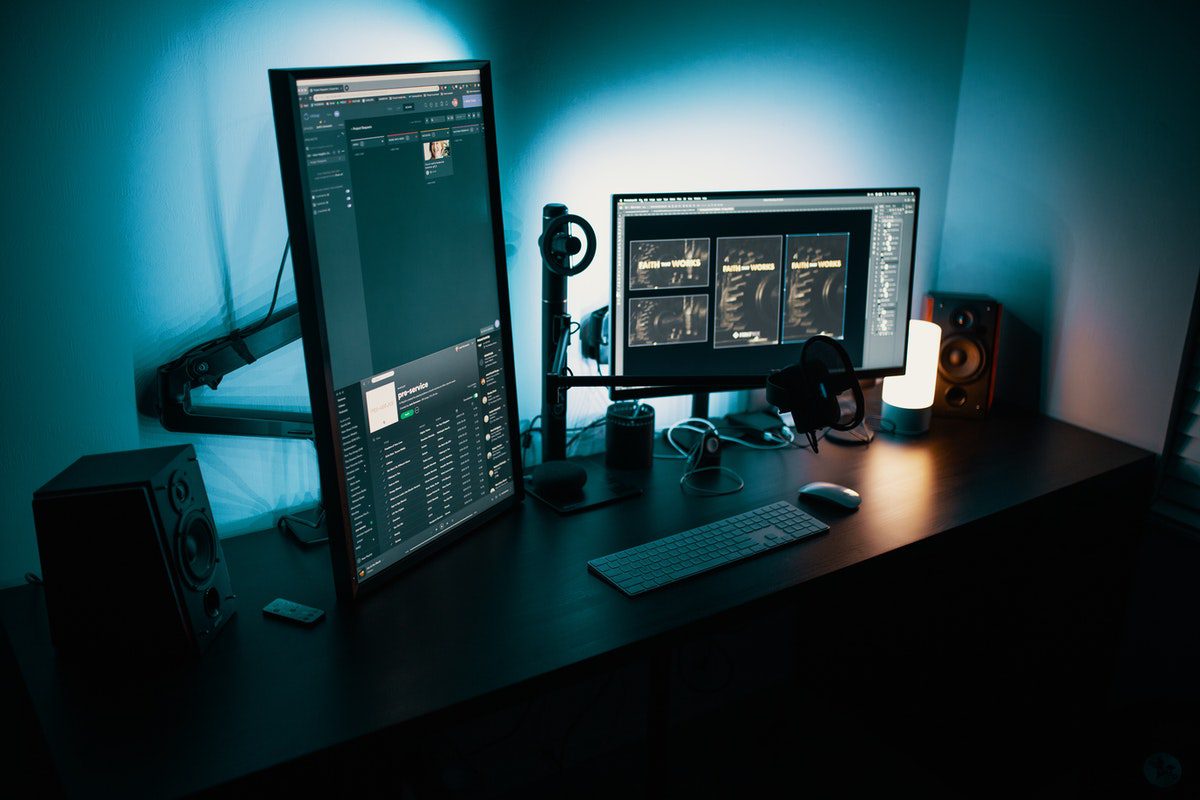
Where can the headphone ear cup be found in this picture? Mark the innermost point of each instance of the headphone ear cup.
(785, 386)
(859, 406)
(826, 411)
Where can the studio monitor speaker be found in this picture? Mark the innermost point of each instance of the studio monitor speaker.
(966, 376)
(131, 562)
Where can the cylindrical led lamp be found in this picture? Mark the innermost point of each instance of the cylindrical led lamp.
(908, 398)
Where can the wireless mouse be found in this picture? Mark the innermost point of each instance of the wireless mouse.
(832, 493)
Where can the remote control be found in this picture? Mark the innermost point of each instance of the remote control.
(293, 612)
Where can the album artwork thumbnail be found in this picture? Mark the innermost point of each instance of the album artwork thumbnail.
(678, 319)
(815, 286)
(668, 264)
(749, 274)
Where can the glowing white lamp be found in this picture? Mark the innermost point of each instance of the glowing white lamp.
(908, 398)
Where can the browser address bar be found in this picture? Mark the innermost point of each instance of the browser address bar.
(325, 97)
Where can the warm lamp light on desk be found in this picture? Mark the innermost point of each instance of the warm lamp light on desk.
(908, 398)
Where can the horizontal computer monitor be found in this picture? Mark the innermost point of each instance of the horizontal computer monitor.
(727, 286)
(393, 203)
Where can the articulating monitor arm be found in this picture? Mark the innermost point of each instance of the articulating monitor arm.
(206, 364)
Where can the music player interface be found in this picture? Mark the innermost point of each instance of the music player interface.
(425, 448)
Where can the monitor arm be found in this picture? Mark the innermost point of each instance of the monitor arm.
(207, 363)
(556, 246)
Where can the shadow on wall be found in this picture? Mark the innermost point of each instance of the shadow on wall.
(1029, 285)
(207, 220)
(1019, 365)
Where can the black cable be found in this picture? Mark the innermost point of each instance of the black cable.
(533, 422)
(526, 439)
(287, 520)
(257, 326)
(686, 484)
(585, 429)
(560, 757)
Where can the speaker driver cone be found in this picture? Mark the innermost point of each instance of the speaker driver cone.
(962, 359)
(196, 549)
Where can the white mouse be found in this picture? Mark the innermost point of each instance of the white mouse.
(832, 493)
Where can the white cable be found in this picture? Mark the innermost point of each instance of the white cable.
(684, 425)
(781, 445)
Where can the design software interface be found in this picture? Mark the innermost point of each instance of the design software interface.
(398, 187)
(732, 285)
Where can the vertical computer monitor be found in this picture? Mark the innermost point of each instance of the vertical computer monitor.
(393, 205)
(729, 285)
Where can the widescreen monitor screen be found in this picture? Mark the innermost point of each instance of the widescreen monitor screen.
(727, 286)
(393, 204)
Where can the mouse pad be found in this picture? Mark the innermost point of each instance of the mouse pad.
(599, 490)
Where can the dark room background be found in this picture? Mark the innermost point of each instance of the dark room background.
(1055, 146)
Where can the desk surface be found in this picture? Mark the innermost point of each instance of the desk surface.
(508, 604)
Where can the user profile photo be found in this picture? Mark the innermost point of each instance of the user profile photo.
(484, 398)
(485, 418)
(487, 437)
(436, 149)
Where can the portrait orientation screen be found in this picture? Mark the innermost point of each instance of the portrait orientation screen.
(397, 199)
(729, 286)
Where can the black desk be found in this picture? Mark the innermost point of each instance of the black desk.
(514, 603)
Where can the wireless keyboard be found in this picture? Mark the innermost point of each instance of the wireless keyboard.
(654, 564)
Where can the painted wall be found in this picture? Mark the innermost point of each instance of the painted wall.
(596, 99)
(143, 213)
(1073, 201)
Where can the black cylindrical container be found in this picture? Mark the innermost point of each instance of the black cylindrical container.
(629, 435)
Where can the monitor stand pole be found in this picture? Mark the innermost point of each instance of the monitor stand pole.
(556, 337)
(700, 405)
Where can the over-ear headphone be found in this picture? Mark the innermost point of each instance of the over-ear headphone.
(810, 391)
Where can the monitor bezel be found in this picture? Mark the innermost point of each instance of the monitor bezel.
(738, 383)
(330, 458)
